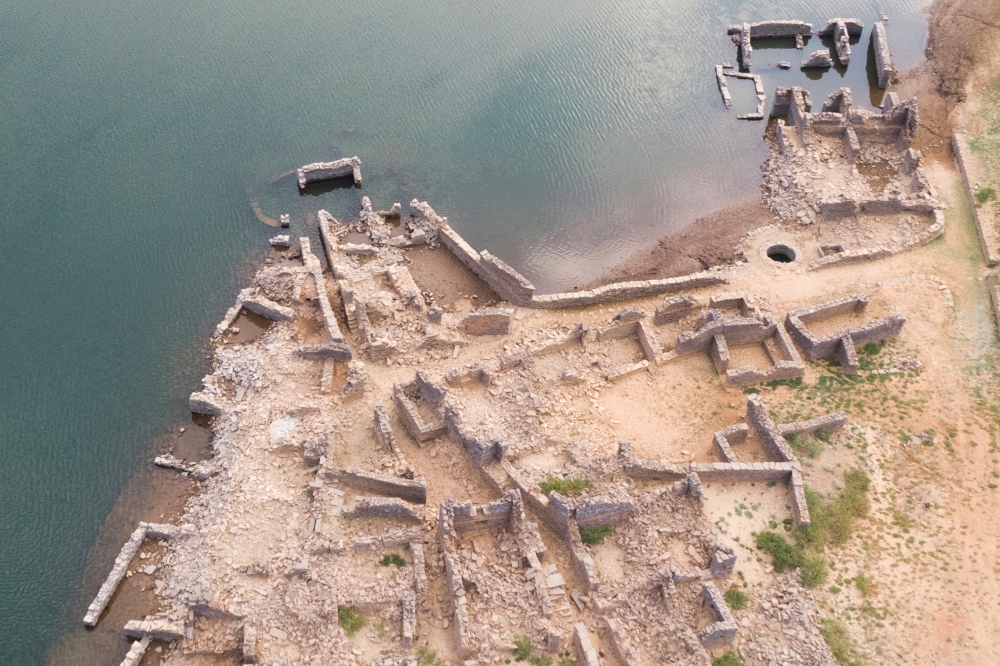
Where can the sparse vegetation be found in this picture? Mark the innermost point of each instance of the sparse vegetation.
(984, 194)
(427, 657)
(565, 659)
(812, 570)
(593, 536)
(392, 558)
(784, 555)
(351, 620)
(736, 598)
(833, 521)
(567, 487)
(863, 584)
(839, 641)
(523, 648)
(805, 444)
(728, 659)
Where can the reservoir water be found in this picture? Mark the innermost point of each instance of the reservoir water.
(138, 137)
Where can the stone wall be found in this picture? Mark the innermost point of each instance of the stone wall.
(674, 308)
(586, 653)
(841, 342)
(767, 431)
(479, 450)
(384, 507)
(620, 291)
(723, 631)
(883, 61)
(320, 171)
(315, 269)
(488, 321)
(601, 510)
(617, 637)
(985, 223)
(125, 555)
(377, 483)
(419, 429)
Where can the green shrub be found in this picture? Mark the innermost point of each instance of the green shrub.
(351, 620)
(523, 648)
(863, 584)
(565, 659)
(813, 571)
(392, 558)
(541, 660)
(984, 194)
(567, 487)
(839, 641)
(427, 657)
(784, 555)
(593, 536)
(871, 349)
(728, 659)
(802, 443)
(736, 598)
(833, 521)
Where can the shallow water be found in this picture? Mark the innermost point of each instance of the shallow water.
(137, 136)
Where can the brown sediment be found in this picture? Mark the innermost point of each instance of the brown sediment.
(709, 241)
(269, 221)
(251, 326)
(444, 276)
(962, 56)
(153, 494)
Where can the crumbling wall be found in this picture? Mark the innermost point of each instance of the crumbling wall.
(320, 171)
(479, 450)
(410, 490)
(723, 631)
(883, 61)
(419, 429)
(842, 343)
(125, 555)
(620, 291)
(984, 222)
(384, 507)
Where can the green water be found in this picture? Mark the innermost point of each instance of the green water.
(560, 135)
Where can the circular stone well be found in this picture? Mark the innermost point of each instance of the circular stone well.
(781, 253)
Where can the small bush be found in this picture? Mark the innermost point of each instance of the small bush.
(871, 349)
(839, 641)
(863, 584)
(813, 571)
(565, 659)
(736, 598)
(593, 536)
(567, 487)
(541, 660)
(728, 659)
(833, 521)
(802, 443)
(351, 620)
(523, 648)
(784, 555)
(427, 657)
(984, 194)
(392, 558)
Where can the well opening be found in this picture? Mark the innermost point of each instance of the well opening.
(781, 253)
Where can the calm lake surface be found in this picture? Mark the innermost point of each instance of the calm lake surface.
(137, 136)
